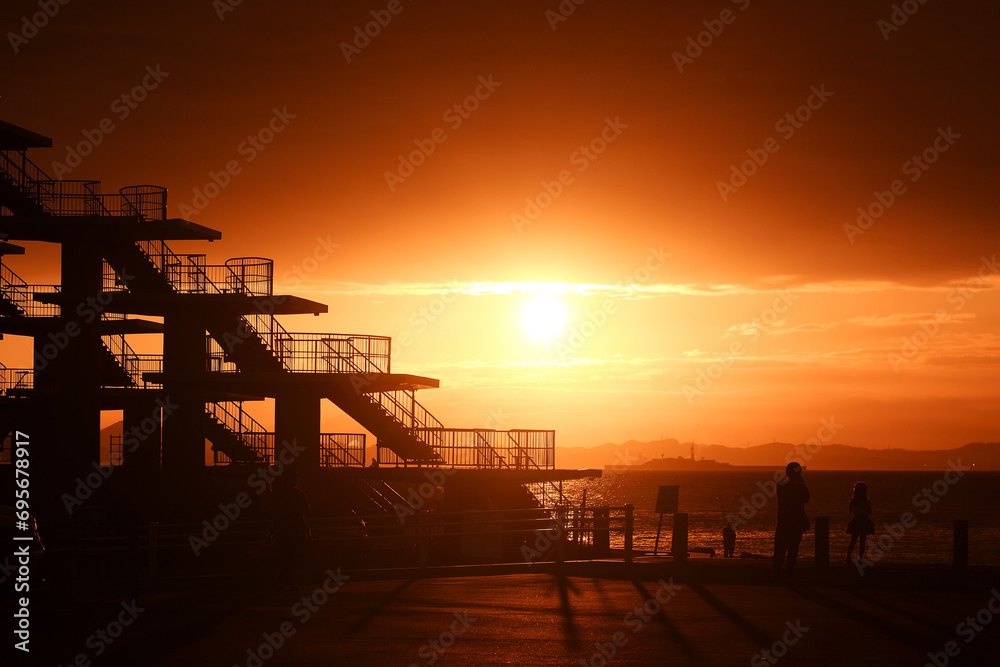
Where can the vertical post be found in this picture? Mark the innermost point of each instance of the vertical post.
(423, 539)
(560, 550)
(961, 546)
(602, 532)
(133, 561)
(679, 544)
(152, 538)
(629, 528)
(659, 527)
(822, 541)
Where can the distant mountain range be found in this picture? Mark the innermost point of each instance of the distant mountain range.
(981, 455)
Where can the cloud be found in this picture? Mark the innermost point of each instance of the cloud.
(767, 285)
(908, 319)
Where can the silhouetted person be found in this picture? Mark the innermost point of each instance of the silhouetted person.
(374, 463)
(289, 529)
(728, 540)
(793, 495)
(861, 525)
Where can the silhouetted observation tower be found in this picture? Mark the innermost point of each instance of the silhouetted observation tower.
(221, 345)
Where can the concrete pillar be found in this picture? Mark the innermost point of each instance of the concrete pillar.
(297, 422)
(67, 411)
(822, 541)
(184, 426)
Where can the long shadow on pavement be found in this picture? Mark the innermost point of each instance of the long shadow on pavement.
(686, 645)
(377, 609)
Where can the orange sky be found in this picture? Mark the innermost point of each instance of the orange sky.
(447, 242)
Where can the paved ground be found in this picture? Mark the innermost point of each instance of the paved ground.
(712, 614)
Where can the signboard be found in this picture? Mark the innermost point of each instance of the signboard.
(666, 500)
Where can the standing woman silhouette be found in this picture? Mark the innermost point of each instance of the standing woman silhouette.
(861, 525)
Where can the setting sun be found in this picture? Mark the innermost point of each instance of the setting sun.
(543, 317)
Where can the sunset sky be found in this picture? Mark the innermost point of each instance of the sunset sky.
(601, 159)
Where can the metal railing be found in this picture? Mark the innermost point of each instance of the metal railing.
(332, 353)
(20, 170)
(147, 202)
(81, 197)
(134, 365)
(250, 276)
(16, 379)
(487, 448)
(22, 295)
(239, 422)
(157, 550)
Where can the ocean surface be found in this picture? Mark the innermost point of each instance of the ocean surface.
(707, 496)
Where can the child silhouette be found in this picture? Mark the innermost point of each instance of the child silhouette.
(861, 525)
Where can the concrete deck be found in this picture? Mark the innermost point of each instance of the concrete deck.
(714, 613)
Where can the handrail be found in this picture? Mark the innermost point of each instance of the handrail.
(22, 295)
(81, 197)
(23, 174)
(245, 427)
(350, 453)
(15, 379)
(250, 276)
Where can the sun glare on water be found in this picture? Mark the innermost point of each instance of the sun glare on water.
(543, 317)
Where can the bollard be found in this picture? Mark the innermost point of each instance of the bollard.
(602, 532)
(679, 540)
(822, 541)
(629, 527)
(961, 546)
(560, 550)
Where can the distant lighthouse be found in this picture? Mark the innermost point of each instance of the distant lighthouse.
(692, 451)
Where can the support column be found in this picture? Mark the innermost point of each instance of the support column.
(184, 426)
(67, 380)
(297, 422)
(141, 436)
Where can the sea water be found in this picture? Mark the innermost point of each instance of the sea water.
(934, 499)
